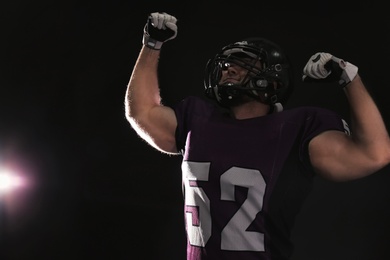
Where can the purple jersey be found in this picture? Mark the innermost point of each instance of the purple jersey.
(245, 180)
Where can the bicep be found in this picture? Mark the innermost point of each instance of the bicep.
(158, 127)
(335, 155)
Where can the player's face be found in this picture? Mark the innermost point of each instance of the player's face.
(237, 72)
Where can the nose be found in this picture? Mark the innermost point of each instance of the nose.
(233, 69)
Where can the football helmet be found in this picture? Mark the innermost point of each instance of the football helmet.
(271, 83)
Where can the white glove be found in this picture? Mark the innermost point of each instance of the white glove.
(324, 66)
(159, 28)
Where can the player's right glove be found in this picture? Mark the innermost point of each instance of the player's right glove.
(159, 28)
(326, 67)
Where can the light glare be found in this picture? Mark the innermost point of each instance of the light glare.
(8, 181)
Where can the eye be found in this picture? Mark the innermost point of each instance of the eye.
(224, 65)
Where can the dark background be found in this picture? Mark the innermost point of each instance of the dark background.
(95, 190)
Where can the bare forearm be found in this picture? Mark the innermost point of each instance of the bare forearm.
(368, 128)
(143, 90)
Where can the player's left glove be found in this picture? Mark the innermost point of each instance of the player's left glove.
(326, 67)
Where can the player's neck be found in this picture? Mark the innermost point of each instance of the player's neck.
(250, 110)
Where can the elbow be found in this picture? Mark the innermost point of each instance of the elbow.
(127, 108)
(131, 107)
(129, 115)
(133, 119)
(130, 111)
(381, 157)
(384, 156)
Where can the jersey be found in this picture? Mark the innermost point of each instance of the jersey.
(244, 181)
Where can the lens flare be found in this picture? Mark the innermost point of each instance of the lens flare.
(9, 181)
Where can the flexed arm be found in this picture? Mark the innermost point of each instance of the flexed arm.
(344, 157)
(153, 121)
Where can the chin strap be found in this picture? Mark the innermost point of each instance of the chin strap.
(275, 108)
(278, 107)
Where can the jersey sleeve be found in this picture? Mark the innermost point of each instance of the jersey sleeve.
(319, 120)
